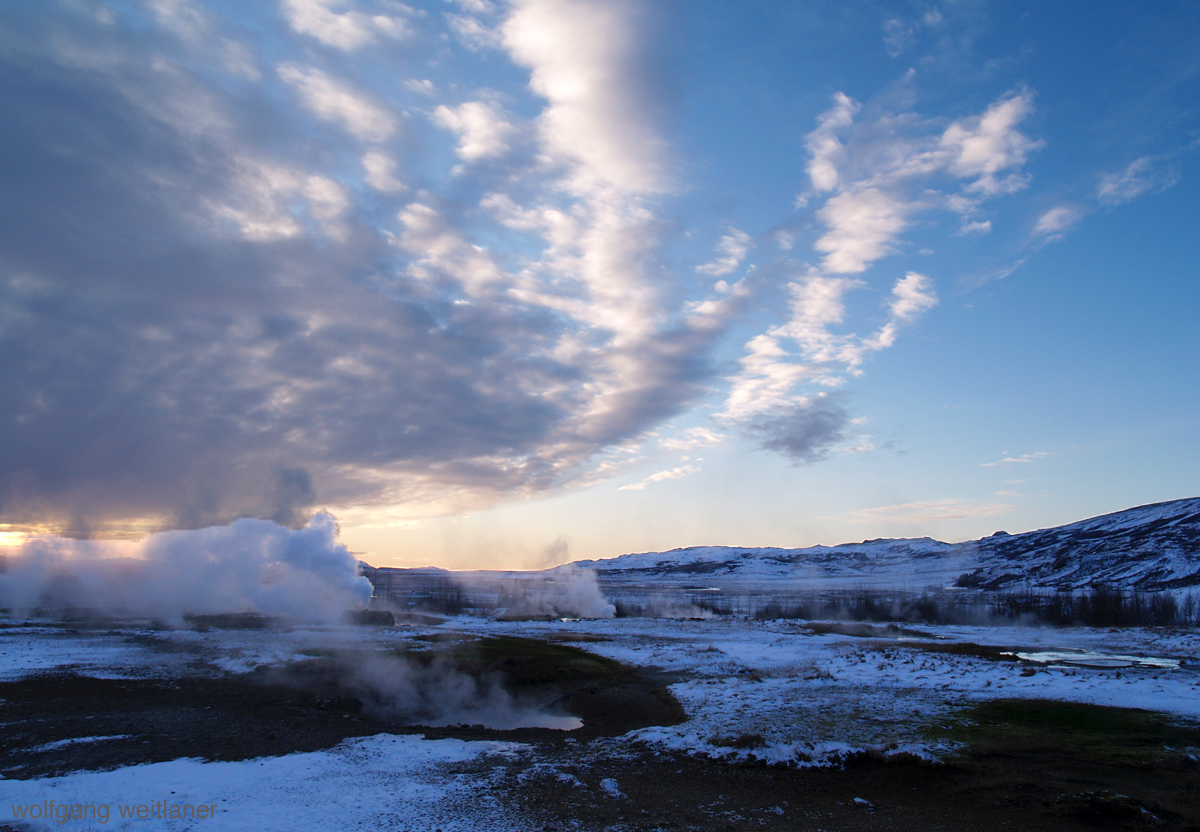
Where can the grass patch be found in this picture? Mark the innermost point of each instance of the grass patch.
(859, 629)
(1102, 734)
(1117, 768)
(526, 661)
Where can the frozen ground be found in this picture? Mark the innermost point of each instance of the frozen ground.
(804, 697)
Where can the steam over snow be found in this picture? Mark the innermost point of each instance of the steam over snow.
(247, 566)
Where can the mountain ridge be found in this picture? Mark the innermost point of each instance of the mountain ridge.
(1149, 547)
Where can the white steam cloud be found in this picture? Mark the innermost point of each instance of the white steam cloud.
(248, 566)
(565, 592)
(439, 694)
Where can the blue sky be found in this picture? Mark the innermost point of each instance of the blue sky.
(507, 284)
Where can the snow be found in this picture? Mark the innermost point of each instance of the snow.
(612, 788)
(383, 782)
(51, 746)
(814, 699)
(773, 692)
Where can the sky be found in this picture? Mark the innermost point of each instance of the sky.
(508, 284)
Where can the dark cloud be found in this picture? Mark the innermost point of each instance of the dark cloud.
(803, 431)
(186, 340)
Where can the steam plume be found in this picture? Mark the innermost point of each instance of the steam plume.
(247, 566)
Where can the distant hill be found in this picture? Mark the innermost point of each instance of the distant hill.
(1150, 547)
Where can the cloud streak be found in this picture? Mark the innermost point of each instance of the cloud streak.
(927, 511)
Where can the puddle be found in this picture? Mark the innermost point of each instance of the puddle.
(1088, 658)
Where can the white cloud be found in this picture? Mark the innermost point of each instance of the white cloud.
(421, 86)
(441, 251)
(897, 37)
(336, 101)
(673, 474)
(1145, 175)
(862, 226)
(1056, 221)
(927, 511)
(344, 30)
(879, 173)
(976, 227)
(381, 172)
(477, 6)
(874, 173)
(198, 31)
(818, 304)
(586, 59)
(691, 439)
(480, 127)
(983, 146)
(262, 196)
(766, 379)
(731, 249)
(912, 295)
(825, 148)
(474, 33)
(1017, 460)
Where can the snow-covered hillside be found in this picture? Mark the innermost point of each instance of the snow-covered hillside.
(1149, 547)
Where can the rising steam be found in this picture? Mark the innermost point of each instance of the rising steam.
(248, 566)
(438, 694)
(564, 592)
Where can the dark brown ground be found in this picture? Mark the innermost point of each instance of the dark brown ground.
(1037, 770)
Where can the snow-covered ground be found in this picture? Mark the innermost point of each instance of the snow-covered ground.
(809, 697)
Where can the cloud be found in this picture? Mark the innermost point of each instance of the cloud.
(877, 172)
(1017, 460)
(336, 101)
(262, 200)
(381, 172)
(874, 173)
(762, 399)
(225, 294)
(474, 33)
(911, 296)
(1052, 224)
(440, 252)
(672, 474)
(826, 152)
(212, 305)
(481, 129)
(976, 227)
(804, 431)
(1149, 174)
(199, 32)
(691, 439)
(862, 226)
(588, 60)
(731, 250)
(928, 511)
(986, 145)
(897, 37)
(199, 325)
(346, 30)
